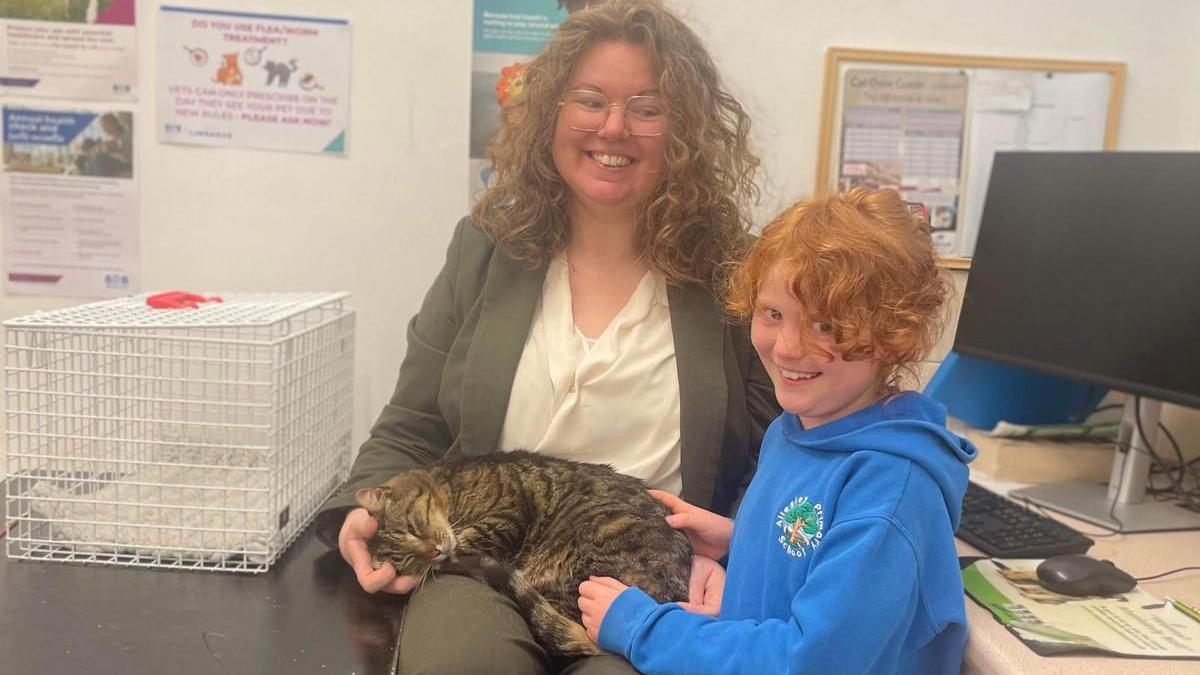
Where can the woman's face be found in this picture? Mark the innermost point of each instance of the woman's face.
(611, 170)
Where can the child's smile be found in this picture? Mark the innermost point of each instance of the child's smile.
(797, 376)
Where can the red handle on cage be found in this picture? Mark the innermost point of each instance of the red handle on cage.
(178, 300)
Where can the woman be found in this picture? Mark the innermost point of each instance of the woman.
(111, 156)
(579, 291)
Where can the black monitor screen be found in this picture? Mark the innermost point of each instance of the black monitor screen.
(1087, 267)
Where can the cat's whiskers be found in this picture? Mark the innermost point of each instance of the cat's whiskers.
(425, 576)
(420, 584)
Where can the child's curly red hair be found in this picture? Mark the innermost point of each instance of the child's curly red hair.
(861, 262)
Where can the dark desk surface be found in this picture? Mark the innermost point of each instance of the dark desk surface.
(307, 614)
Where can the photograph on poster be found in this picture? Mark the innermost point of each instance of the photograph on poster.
(104, 147)
(71, 11)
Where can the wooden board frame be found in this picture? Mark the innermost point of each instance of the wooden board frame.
(836, 57)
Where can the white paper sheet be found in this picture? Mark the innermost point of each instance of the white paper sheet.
(1067, 111)
(69, 49)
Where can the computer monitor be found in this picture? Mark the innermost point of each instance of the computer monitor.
(1087, 267)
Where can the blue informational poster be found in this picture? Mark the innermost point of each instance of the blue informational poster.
(506, 35)
(69, 203)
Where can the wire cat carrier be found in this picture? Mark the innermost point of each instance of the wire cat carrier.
(189, 438)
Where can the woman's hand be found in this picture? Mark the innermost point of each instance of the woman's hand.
(705, 588)
(358, 527)
(709, 532)
(596, 595)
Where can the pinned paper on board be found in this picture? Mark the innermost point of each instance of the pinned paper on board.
(928, 126)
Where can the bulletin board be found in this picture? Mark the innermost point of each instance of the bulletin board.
(929, 125)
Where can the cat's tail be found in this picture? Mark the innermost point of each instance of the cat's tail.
(559, 633)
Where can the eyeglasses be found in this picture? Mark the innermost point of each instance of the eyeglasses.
(586, 110)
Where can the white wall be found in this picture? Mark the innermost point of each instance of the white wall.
(376, 222)
(774, 58)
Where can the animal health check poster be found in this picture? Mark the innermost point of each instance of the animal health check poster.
(69, 203)
(265, 81)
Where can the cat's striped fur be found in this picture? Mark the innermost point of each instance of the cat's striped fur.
(533, 527)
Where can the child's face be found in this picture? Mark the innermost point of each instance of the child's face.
(808, 384)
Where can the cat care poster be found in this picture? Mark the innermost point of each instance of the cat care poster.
(68, 49)
(237, 79)
(69, 203)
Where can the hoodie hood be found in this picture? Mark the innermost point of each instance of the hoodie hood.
(906, 425)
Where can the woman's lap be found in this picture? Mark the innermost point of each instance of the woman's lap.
(456, 625)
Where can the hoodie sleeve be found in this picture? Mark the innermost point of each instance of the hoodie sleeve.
(852, 615)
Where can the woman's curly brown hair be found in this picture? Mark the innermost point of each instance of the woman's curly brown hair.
(697, 219)
(861, 262)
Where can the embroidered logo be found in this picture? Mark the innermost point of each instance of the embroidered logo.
(803, 525)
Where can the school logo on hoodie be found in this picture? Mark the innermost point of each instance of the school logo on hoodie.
(803, 525)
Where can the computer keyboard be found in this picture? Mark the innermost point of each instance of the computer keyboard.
(1002, 528)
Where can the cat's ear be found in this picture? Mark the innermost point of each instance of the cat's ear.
(371, 499)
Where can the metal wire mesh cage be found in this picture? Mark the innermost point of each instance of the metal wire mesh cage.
(200, 438)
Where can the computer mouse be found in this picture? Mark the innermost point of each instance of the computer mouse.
(1080, 575)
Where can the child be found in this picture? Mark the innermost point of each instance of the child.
(842, 556)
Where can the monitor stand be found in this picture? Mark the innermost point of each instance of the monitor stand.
(1122, 504)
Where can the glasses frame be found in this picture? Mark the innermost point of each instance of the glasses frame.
(608, 111)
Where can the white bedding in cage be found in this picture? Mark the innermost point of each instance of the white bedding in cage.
(191, 509)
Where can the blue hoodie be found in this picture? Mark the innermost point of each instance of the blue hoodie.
(842, 558)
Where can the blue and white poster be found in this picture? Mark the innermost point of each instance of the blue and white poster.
(70, 207)
(506, 36)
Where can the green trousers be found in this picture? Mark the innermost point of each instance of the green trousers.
(454, 625)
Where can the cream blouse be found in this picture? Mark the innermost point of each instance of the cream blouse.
(613, 402)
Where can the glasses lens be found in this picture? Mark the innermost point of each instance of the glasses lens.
(645, 115)
(585, 110)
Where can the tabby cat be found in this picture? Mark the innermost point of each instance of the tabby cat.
(533, 527)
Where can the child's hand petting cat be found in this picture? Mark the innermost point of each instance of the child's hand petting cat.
(710, 533)
(596, 595)
(706, 587)
(358, 527)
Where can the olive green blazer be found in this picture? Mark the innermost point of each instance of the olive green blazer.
(463, 348)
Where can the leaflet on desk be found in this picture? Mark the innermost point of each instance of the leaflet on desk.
(1129, 624)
